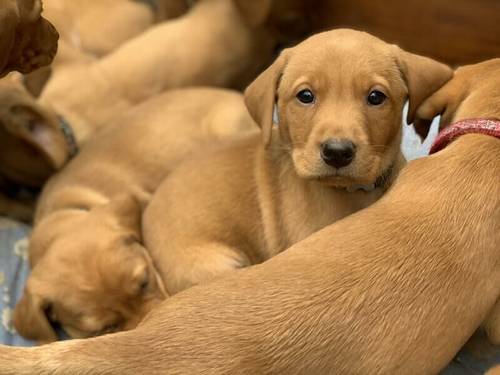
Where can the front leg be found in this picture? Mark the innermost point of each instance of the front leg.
(199, 264)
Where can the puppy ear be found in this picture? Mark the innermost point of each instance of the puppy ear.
(39, 130)
(261, 96)
(30, 318)
(423, 77)
(29, 10)
(127, 211)
(255, 12)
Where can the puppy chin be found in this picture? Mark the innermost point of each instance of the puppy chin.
(344, 177)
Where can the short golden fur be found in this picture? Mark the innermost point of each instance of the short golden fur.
(395, 288)
(195, 50)
(245, 204)
(91, 272)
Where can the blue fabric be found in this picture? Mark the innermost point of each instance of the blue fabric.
(14, 270)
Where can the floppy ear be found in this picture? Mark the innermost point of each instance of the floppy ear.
(29, 10)
(423, 76)
(38, 130)
(30, 318)
(261, 95)
(255, 12)
(127, 211)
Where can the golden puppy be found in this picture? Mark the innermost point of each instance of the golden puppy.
(97, 27)
(472, 102)
(396, 288)
(91, 29)
(195, 50)
(91, 272)
(338, 100)
(27, 40)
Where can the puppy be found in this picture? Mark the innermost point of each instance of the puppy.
(97, 27)
(471, 96)
(91, 273)
(91, 29)
(395, 288)
(86, 97)
(27, 40)
(338, 99)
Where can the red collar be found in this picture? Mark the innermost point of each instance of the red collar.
(469, 126)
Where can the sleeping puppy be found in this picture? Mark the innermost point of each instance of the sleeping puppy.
(86, 97)
(97, 27)
(333, 148)
(92, 29)
(27, 40)
(91, 273)
(396, 288)
(89, 30)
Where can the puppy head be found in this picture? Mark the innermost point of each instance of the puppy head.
(91, 274)
(338, 99)
(474, 92)
(32, 146)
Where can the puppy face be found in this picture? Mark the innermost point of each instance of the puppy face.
(32, 146)
(474, 92)
(91, 274)
(339, 98)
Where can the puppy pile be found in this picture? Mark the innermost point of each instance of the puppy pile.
(286, 215)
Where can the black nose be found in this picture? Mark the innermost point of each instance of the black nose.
(338, 152)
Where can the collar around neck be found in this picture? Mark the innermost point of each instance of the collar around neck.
(468, 126)
(69, 136)
(380, 182)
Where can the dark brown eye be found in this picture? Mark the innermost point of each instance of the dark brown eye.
(110, 328)
(144, 286)
(305, 96)
(376, 97)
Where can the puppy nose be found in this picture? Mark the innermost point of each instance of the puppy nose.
(338, 153)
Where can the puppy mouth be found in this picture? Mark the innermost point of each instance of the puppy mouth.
(364, 169)
(348, 176)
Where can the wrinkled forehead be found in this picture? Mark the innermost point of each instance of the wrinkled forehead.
(343, 57)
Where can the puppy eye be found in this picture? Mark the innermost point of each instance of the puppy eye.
(305, 96)
(110, 328)
(376, 97)
(144, 286)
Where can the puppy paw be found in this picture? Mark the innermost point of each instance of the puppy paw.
(204, 264)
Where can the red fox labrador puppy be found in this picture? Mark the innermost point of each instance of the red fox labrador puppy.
(91, 272)
(331, 149)
(396, 288)
(190, 50)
